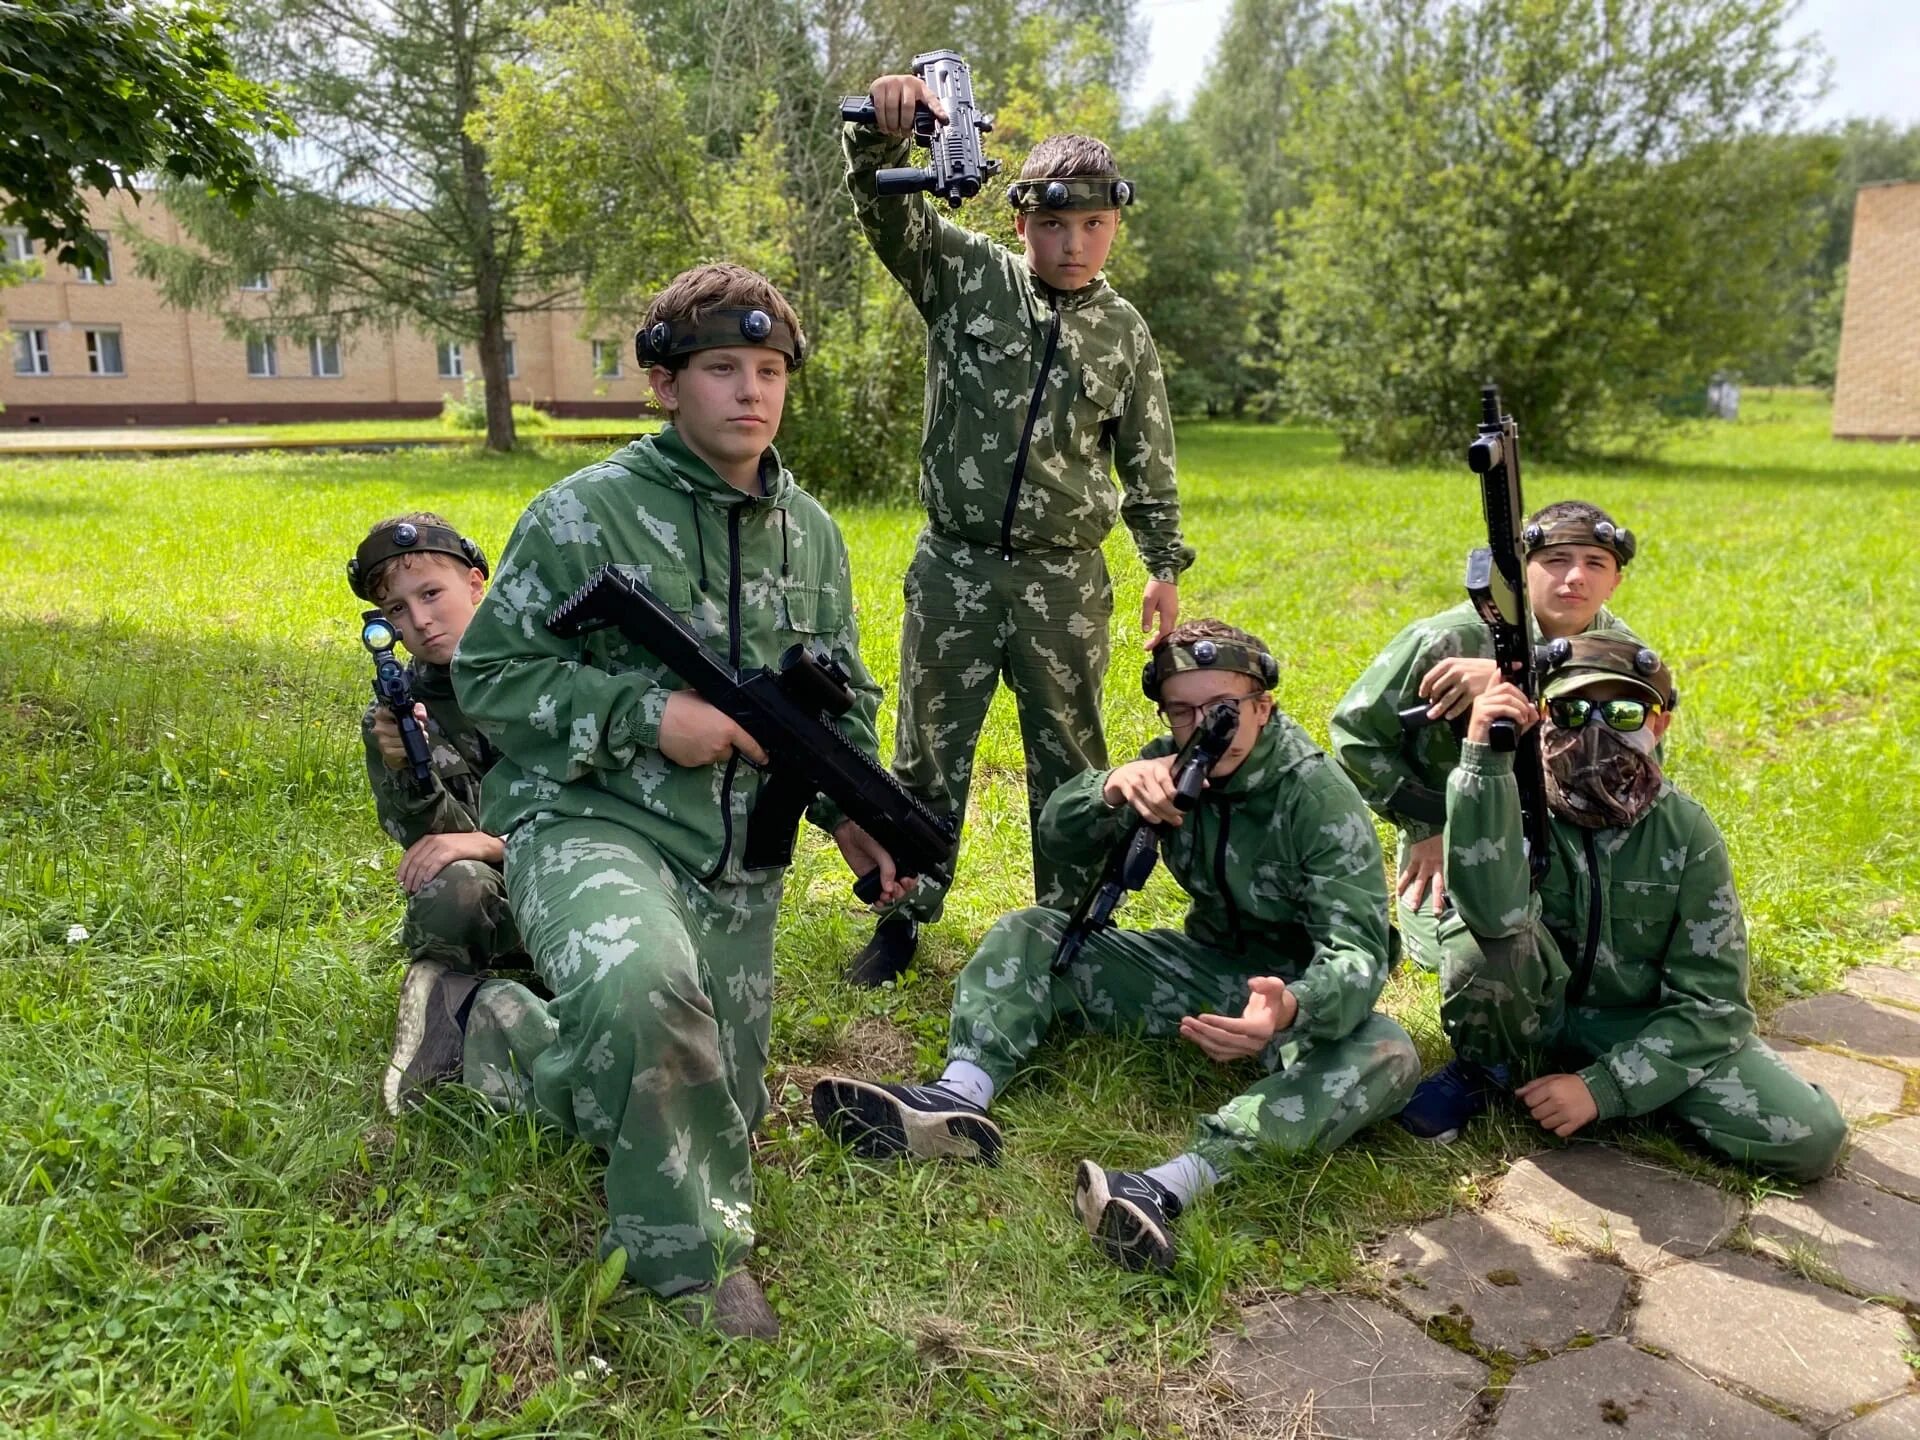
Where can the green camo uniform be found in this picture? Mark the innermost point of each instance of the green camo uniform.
(1403, 775)
(1283, 868)
(459, 917)
(624, 868)
(1649, 913)
(1008, 578)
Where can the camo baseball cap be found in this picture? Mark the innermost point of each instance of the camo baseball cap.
(1584, 661)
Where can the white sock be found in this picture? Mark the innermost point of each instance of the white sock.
(968, 1081)
(1187, 1176)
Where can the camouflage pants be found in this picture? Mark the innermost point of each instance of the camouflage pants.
(1317, 1094)
(1419, 929)
(1040, 620)
(655, 1043)
(461, 918)
(1503, 1002)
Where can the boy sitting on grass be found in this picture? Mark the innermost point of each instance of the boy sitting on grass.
(1576, 558)
(1284, 953)
(1619, 987)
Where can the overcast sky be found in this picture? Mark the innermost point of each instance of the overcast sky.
(1874, 46)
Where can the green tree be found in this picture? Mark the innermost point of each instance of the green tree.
(1244, 110)
(97, 96)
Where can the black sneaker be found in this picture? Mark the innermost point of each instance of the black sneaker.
(886, 956)
(882, 1122)
(1446, 1100)
(1130, 1216)
(736, 1308)
(429, 1032)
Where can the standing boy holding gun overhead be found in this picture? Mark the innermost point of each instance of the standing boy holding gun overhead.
(1040, 382)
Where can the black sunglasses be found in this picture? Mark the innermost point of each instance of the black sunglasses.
(1624, 715)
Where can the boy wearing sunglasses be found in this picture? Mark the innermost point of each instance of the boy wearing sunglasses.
(1619, 987)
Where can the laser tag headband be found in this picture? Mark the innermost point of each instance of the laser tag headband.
(666, 341)
(1080, 193)
(1231, 656)
(409, 537)
(1570, 665)
(1604, 533)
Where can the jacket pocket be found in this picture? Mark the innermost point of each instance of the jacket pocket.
(813, 611)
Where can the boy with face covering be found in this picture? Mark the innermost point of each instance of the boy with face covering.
(1620, 987)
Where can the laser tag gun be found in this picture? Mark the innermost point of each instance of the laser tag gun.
(1497, 586)
(393, 690)
(1133, 859)
(958, 162)
(787, 713)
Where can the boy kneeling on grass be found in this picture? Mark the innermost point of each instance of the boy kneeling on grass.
(1286, 949)
(624, 799)
(1628, 966)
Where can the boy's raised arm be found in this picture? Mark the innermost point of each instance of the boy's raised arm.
(924, 251)
(1366, 738)
(1486, 854)
(1143, 454)
(408, 811)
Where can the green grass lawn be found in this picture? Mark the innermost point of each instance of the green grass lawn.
(429, 428)
(207, 1218)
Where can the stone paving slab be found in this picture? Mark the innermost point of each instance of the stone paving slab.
(1515, 1288)
(1743, 1320)
(1871, 1238)
(1858, 1087)
(1335, 1365)
(1889, 1156)
(1611, 1390)
(1855, 1023)
(1898, 1421)
(1887, 982)
(1599, 1197)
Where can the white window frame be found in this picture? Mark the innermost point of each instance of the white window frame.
(30, 345)
(268, 353)
(96, 354)
(16, 246)
(317, 348)
(85, 275)
(603, 348)
(259, 281)
(451, 360)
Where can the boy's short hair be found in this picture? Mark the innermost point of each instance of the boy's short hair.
(723, 285)
(1070, 157)
(1578, 522)
(1207, 643)
(377, 577)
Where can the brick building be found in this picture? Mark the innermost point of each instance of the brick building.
(1876, 391)
(106, 349)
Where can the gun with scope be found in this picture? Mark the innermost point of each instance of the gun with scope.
(393, 690)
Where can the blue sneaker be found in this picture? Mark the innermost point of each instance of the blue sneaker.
(1446, 1100)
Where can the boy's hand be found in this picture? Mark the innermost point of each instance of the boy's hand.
(894, 100)
(863, 853)
(1425, 873)
(1561, 1103)
(1160, 610)
(692, 732)
(1146, 785)
(1501, 700)
(386, 733)
(1271, 1007)
(1451, 686)
(431, 854)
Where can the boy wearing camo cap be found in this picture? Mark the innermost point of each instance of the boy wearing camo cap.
(1619, 987)
(1577, 556)
(1284, 954)
(1041, 381)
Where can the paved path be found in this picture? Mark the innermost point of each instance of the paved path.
(154, 440)
(1601, 1296)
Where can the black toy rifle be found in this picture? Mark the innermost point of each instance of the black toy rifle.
(393, 690)
(1133, 859)
(806, 756)
(958, 165)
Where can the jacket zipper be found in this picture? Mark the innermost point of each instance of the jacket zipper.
(1026, 436)
(1577, 989)
(733, 659)
(1220, 876)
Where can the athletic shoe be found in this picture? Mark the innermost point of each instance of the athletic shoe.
(882, 1122)
(1446, 1100)
(429, 1032)
(888, 953)
(1130, 1216)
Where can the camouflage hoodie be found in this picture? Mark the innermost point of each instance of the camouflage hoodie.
(1400, 775)
(1007, 461)
(577, 722)
(449, 802)
(1282, 865)
(1646, 917)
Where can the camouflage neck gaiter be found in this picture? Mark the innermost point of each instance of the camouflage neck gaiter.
(1597, 777)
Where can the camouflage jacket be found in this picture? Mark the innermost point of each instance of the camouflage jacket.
(450, 801)
(577, 722)
(1281, 863)
(1403, 775)
(1646, 918)
(1001, 465)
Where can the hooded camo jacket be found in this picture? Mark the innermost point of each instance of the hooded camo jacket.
(1034, 395)
(1281, 863)
(577, 722)
(1647, 914)
(449, 802)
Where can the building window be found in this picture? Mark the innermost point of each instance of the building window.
(15, 247)
(30, 355)
(451, 367)
(606, 359)
(259, 280)
(323, 353)
(513, 362)
(103, 353)
(104, 276)
(261, 359)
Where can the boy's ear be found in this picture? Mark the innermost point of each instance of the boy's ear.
(476, 584)
(1020, 223)
(666, 387)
